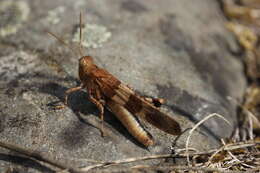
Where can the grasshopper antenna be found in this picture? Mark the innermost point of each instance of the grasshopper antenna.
(80, 34)
(63, 42)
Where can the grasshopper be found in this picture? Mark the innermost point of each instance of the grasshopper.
(105, 90)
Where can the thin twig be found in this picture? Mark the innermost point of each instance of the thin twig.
(38, 156)
(128, 160)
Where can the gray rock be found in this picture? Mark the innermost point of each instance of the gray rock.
(177, 50)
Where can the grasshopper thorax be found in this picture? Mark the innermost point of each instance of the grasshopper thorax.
(86, 64)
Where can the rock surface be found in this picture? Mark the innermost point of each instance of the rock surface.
(177, 50)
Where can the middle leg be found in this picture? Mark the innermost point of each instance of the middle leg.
(95, 97)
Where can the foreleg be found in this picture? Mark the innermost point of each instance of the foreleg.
(67, 93)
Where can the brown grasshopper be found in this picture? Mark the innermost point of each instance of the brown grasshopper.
(105, 90)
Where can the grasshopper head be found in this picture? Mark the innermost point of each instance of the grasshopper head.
(86, 64)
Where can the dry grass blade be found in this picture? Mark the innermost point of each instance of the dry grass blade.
(249, 113)
(215, 153)
(37, 156)
(182, 168)
(234, 157)
(180, 155)
(196, 126)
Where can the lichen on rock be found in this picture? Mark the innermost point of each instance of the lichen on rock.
(53, 15)
(12, 15)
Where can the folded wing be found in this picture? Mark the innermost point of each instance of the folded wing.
(135, 104)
